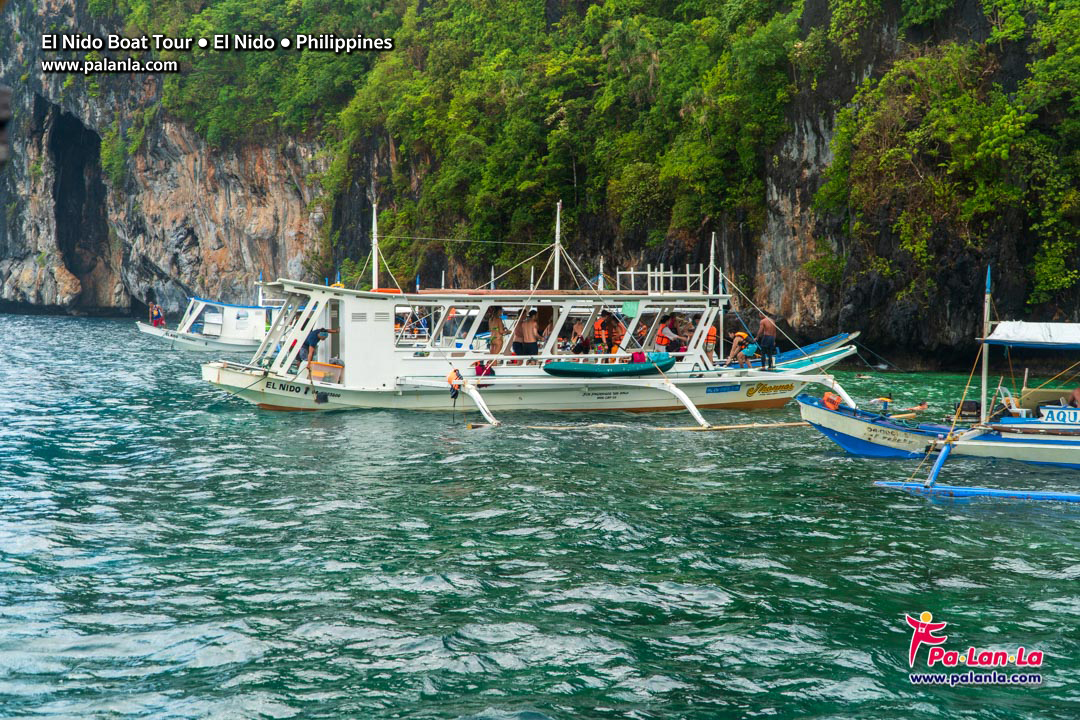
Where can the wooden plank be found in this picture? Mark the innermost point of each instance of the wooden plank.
(688, 428)
(747, 426)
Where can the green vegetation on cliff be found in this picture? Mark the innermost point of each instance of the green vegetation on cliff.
(656, 120)
(939, 153)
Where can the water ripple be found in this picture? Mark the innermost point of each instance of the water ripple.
(168, 552)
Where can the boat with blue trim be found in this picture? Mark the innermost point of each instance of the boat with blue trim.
(213, 326)
(1034, 425)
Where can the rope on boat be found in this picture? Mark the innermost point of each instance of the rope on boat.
(758, 308)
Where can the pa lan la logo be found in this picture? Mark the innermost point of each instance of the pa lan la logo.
(924, 632)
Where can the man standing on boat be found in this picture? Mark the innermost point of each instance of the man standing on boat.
(766, 341)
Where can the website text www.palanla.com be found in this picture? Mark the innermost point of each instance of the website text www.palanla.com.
(108, 65)
(975, 678)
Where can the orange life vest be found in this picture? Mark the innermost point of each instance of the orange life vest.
(711, 336)
(600, 333)
(662, 340)
(832, 401)
(617, 335)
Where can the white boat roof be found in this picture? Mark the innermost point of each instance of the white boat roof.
(1017, 333)
(510, 296)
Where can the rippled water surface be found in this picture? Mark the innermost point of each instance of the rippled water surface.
(169, 552)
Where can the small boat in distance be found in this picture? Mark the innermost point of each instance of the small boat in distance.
(212, 326)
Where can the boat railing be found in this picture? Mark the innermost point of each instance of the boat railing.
(661, 279)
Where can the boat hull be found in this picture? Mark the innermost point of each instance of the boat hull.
(272, 392)
(1062, 452)
(201, 343)
(867, 434)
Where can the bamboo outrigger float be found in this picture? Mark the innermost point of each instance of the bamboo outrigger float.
(411, 350)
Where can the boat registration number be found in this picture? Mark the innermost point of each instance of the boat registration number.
(709, 390)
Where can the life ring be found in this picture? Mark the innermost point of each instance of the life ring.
(832, 401)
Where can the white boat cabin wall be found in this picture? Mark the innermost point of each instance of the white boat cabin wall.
(216, 320)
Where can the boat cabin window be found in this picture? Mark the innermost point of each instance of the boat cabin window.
(209, 321)
(413, 323)
(456, 325)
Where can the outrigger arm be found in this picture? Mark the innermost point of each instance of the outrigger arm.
(471, 390)
(670, 387)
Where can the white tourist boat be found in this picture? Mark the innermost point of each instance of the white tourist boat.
(403, 350)
(211, 326)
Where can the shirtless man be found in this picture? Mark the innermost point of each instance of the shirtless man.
(526, 337)
(1074, 398)
(766, 341)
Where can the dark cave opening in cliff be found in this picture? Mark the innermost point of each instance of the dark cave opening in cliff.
(82, 233)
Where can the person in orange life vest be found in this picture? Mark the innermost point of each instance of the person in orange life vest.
(600, 332)
(618, 332)
(668, 336)
(739, 341)
(710, 342)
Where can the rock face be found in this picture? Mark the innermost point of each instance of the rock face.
(173, 217)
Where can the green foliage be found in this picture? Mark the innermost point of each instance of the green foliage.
(922, 12)
(828, 266)
(849, 19)
(938, 154)
(113, 155)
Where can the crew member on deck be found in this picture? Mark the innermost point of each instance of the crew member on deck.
(157, 315)
(307, 350)
(766, 341)
(739, 341)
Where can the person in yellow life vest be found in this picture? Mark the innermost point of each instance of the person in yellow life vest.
(739, 341)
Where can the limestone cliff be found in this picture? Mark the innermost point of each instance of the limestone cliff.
(171, 217)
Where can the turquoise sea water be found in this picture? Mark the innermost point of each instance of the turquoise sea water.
(168, 552)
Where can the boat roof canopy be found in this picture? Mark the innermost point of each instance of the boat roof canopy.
(509, 296)
(1016, 333)
(218, 303)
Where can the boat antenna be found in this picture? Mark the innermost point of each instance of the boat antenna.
(558, 242)
(375, 245)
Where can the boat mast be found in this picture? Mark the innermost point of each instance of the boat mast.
(374, 246)
(983, 413)
(558, 243)
(712, 262)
